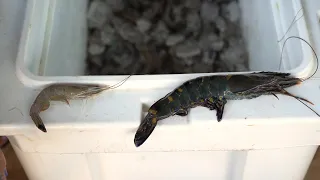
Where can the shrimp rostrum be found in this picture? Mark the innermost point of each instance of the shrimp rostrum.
(213, 92)
(63, 93)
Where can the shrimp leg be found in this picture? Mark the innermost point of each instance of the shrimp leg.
(220, 108)
(60, 98)
(182, 112)
(209, 104)
(217, 105)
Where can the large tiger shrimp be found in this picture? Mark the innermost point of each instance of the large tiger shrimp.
(213, 92)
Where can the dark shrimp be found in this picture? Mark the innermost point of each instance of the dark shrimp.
(213, 92)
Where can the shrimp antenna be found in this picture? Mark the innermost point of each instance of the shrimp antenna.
(308, 107)
(118, 84)
(314, 52)
(98, 89)
(294, 20)
(307, 77)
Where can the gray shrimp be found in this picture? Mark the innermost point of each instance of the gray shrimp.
(63, 93)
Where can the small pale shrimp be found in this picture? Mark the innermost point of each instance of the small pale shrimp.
(64, 93)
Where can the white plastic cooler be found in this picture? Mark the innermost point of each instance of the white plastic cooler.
(262, 138)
